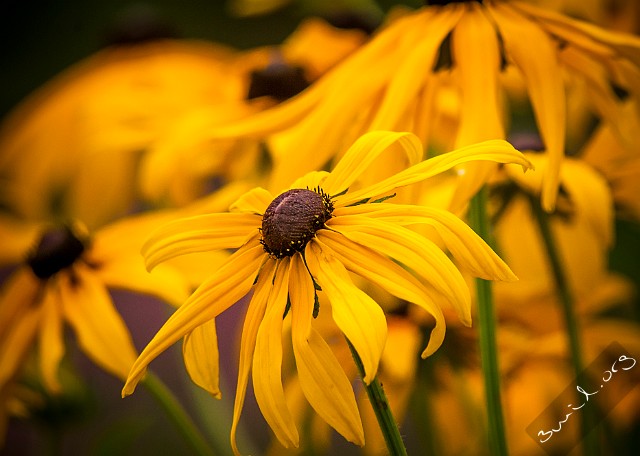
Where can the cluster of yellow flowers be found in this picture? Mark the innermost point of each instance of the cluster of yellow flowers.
(324, 186)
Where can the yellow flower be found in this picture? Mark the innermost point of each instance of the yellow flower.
(306, 240)
(65, 279)
(390, 83)
(74, 145)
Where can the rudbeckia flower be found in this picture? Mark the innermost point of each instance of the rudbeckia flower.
(65, 280)
(79, 138)
(390, 83)
(304, 241)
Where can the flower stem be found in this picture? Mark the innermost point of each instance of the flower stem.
(177, 414)
(571, 322)
(486, 321)
(381, 407)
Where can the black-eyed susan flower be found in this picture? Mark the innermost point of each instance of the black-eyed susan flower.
(65, 280)
(80, 138)
(392, 81)
(294, 246)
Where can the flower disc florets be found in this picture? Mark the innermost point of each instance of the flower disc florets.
(292, 219)
(57, 249)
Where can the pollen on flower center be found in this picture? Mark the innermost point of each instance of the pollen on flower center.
(292, 219)
(57, 249)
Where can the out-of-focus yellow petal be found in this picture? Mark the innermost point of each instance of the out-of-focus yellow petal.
(322, 379)
(128, 273)
(19, 291)
(20, 317)
(200, 353)
(380, 270)
(229, 283)
(364, 152)
(524, 39)
(411, 73)
(621, 115)
(101, 331)
(495, 150)
(255, 201)
(416, 252)
(469, 249)
(51, 347)
(476, 53)
(589, 36)
(16, 238)
(358, 316)
(200, 233)
(252, 320)
(267, 362)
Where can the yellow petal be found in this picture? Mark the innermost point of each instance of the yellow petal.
(229, 283)
(410, 75)
(591, 37)
(416, 252)
(200, 353)
(199, 233)
(18, 331)
(267, 362)
(322, 379)
(101, 331)
(364, 152)
(359, 317)
(310, 180)
(255, 201)
(129, 273)
(51, 338)
(389, 275)
(19, 291)
(495, 150)
(252, 320)
(535, 54)
(476, 53)
(469, 249)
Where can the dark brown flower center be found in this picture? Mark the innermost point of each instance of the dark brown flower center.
(292, 219)
(57, 249)
(278, 80)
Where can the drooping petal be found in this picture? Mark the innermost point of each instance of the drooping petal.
(322, 379)
(21, 315)
(252, 320)
(267, 362)
(255, 201)
(414, 251)
(200, 233)
(359, 317)
(101, 331)
(229, 283)
(495, 150)
(388, 274)
(363, 152)
(200, 353)
(476, 53)
(19, 291)
(533, 51)
(51, 347)
(409, 76)
(591, 37)
(469, 249)
(129, 273)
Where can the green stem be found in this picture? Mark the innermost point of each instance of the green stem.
(177, 414)
(380, 405)
(571, 322)
(487, 331)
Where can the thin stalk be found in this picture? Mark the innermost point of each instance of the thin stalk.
(380, 404)
(177, 414)
(487, 331)
(567, 303)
